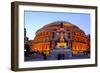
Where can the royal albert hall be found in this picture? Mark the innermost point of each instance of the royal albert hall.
(60, 34)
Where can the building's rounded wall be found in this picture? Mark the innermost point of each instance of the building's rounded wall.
(43, 39)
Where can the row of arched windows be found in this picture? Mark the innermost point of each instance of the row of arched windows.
(56, 35)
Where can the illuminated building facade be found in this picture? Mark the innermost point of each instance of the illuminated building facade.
(60, 34)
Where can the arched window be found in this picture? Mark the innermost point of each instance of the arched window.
(66, 36)
(57, 35)
(53, 35)
(47, 39)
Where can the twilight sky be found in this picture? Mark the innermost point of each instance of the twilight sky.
(34, 20)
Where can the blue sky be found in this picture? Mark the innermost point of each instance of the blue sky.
(35, 20)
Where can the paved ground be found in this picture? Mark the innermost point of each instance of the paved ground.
(41, 58)
(56, 55)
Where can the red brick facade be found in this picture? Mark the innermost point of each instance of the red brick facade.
(60, 34)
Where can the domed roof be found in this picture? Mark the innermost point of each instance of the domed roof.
(59, 24)
(64, 24)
